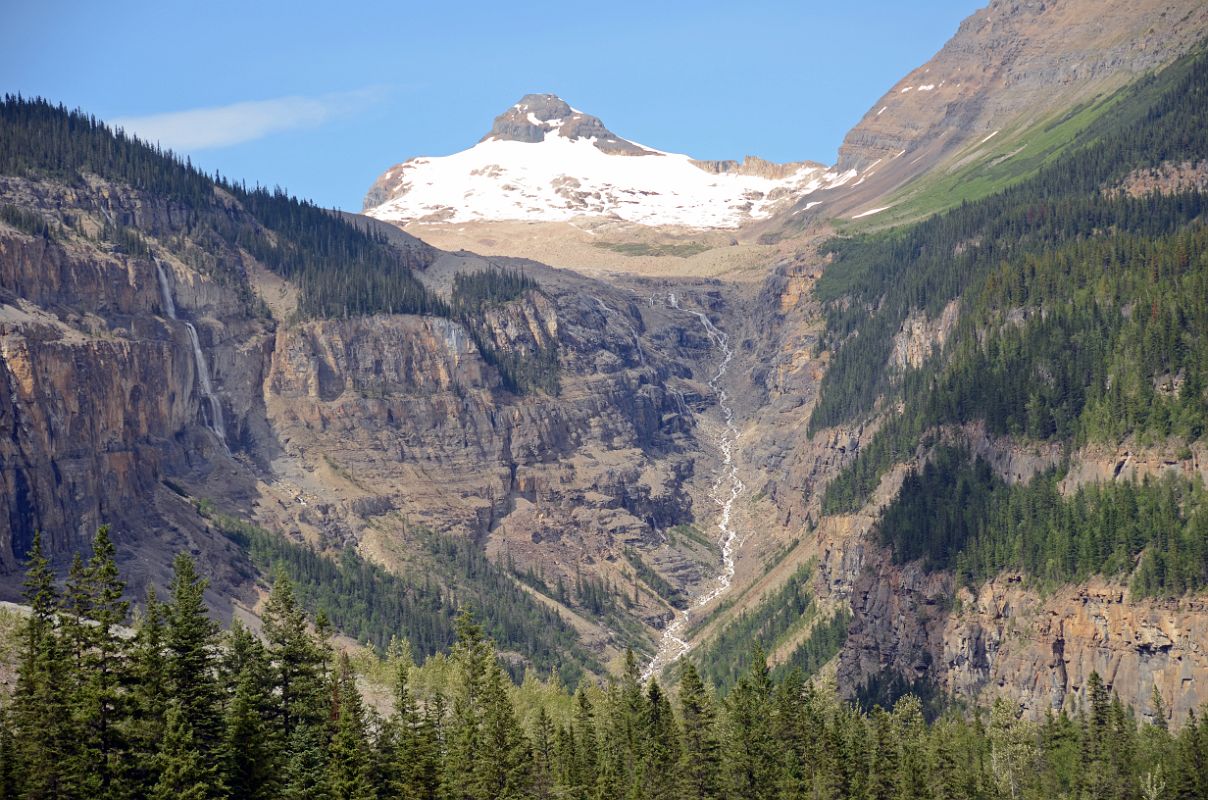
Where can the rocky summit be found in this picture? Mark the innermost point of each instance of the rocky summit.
(539, 115)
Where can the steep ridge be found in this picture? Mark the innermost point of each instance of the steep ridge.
(1015, 81)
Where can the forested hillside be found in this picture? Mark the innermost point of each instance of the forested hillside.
(341, 270)
(1083, 318)
(373, 606)
(180, 711)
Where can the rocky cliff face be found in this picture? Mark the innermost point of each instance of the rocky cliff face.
(99, 397)
(340, 432)
(1009, 638)
(386, 423)
(1037, 649)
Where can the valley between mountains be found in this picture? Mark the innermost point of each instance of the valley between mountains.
(930, 420)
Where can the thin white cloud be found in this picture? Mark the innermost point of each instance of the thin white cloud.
(223, 126)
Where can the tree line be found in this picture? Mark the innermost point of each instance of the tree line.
(955, 514)
(175, 709)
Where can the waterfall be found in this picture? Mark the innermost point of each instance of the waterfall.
(673, 647)
(165, 292)
(637, 342)
(214, 420)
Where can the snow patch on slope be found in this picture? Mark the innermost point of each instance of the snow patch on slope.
(560, 178)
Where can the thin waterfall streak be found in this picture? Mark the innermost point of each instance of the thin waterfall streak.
(214, 420)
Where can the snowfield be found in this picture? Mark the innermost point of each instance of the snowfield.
(561, 178)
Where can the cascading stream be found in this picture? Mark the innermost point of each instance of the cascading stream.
(673, 647)
(215, 420)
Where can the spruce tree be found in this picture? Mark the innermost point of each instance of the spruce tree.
(1190, 774)
(298, 661)
(41, 714)
(584, 768)
(148, 702)
(470, 657)
(102, 700)
(700, 771)
(789, 731)
(544, 756)
(251, 749)
(503, 763)
(190, 663)
(751, 770)
(661, 756)
(184, 771)
(306, 775)
(348, 762)
(883, 756)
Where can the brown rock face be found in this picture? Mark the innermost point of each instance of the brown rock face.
(1038, 650)
(756, 166)
(421, 429)
(342, 432)
(1014, 59)
(99, 399)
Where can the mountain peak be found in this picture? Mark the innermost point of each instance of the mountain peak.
(537, 115)
(544, 160)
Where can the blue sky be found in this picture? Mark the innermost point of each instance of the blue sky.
(322, 97)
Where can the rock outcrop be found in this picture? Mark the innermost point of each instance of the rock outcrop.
(539, 115)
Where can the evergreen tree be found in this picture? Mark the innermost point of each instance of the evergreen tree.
(584, 761)
(251, 747)
(751, 770)
(41, 714)
(190, 663)
(661, 756)
(148, 702)
(348, 764)
(306, 775)
(471, 656)
(503, 762)
(544, 756)
(700, 771)
(184, 771)
(101, 703)
(298, 661)
(1190, 774)
(883, 758)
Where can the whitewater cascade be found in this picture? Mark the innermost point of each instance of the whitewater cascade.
(214, 421)
(672, 647)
